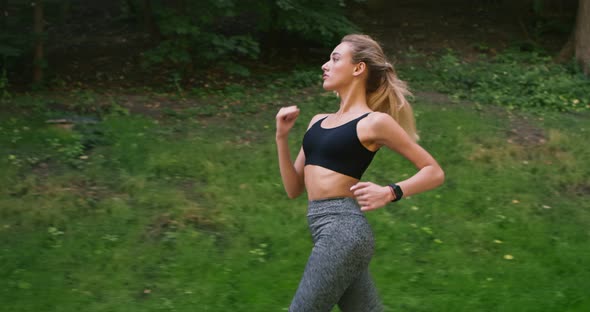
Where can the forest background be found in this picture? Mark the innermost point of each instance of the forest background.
(139, 170)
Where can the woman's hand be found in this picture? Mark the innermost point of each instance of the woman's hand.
(371, 196)
(285, 120)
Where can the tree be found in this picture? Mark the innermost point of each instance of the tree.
(38, 31)
(148, 20)
(578, 44)
(222, 34)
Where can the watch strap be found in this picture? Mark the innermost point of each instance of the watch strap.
(397, 192)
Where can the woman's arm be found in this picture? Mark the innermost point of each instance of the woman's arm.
(386, 132)
(291, 173)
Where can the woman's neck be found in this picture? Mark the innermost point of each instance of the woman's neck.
(352, 99)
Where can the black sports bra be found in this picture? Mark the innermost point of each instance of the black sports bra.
(338, 149)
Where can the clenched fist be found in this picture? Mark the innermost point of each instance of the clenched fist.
(285, 120)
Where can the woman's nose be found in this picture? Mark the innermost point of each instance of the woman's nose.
(325, 66)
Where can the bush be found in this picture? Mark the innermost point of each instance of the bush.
(224, 33)
(514, 79)
(192, 39)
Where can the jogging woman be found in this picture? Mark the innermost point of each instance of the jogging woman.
(337, 149)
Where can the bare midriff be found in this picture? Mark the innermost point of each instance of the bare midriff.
(322, 183)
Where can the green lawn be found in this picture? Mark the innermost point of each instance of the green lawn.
(187, 213)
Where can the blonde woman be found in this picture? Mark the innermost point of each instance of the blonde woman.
(337, 149)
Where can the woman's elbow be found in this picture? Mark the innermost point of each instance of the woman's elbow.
(293, 195)
(294, 192)
(440, 177)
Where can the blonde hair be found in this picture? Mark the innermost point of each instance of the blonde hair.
(385, 91)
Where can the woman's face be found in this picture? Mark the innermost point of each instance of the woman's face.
(338, 71)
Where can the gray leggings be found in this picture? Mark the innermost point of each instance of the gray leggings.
(337, 269)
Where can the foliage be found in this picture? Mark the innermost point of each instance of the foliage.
(546, 21)
(12, 42)
(192, 39)
(189, 35)
(319, 21)
(4, 93)
(16, 37)
(302, 78)
(514, 79)
(223, 33)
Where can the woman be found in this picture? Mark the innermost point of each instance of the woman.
(337, 148)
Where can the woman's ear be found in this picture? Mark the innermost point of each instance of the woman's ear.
(359, 68)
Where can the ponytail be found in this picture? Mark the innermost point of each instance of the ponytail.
(386, 93)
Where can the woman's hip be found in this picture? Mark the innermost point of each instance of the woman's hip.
(339, 222)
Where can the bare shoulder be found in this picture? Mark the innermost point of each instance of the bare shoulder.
(384, 130)
(379, 120)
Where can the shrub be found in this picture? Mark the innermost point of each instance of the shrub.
(514, 79)
(224, 33)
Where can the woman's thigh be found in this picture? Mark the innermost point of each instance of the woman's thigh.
(361, 295)
(342, 251)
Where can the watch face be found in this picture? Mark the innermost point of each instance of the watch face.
(398, 191)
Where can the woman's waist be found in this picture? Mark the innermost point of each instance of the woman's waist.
(329, 189)
(322, 183)
(333, 205)
(315, 194)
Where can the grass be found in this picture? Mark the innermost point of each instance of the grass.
(188, 212)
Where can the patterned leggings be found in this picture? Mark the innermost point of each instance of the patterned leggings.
(337, 269)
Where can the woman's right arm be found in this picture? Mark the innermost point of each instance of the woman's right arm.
(291, 173)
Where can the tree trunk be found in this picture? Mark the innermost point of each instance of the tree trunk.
(38, 32)
(148, 20)
(582, 36)
(578, 43)
(567, 51)
(273, 32)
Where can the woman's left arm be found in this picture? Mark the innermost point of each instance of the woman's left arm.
(385, 131)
